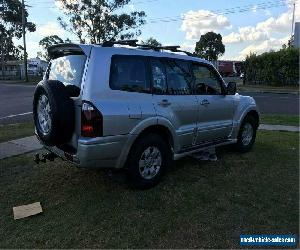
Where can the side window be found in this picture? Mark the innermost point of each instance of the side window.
(206, 81)
(129, 74)
(159, 79)
(178, 77)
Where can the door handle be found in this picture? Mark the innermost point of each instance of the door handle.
(205, 102)
(164, 103)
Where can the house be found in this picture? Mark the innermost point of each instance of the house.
(11, 70)
(14, 70)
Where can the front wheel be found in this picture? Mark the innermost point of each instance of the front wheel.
(148, 161)
(247, 134)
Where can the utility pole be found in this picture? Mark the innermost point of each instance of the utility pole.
(293, 20)
(24, 40)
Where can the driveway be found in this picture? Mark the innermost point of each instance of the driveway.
(16, 103)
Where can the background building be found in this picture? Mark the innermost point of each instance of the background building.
(296, 42)
(229, 68)
(14, 70)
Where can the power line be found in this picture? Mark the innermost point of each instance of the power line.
(220, 11)
(213, 13)
(236, 9)
(132, 2)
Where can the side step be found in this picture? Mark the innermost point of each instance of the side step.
(203, 148)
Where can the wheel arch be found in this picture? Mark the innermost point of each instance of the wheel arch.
(162, 127)
(160, 130)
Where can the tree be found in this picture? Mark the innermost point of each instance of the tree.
(279, 68)
(11, 18)
(210, 46)
(96, 21)
(48, 41)
(152, 42)
(10, 27)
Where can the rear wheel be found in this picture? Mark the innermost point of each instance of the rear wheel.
(148, 161)
(247, 134)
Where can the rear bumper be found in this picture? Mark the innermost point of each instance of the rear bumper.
(102, 152)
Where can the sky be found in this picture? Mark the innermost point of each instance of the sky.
(252, 26)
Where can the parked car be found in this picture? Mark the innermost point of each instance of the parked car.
(102, 106)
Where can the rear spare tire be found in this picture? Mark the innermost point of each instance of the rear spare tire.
(53, 113)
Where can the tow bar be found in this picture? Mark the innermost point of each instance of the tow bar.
(44, 157)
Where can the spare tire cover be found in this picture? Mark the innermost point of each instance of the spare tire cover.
(53, 113)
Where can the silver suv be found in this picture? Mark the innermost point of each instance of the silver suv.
(136, 107)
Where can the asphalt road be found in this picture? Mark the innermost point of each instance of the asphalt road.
(272, 103)
(16, 103)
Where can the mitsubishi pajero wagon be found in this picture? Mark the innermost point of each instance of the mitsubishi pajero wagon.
(124, 105)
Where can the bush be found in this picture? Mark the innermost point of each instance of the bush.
(278, 68)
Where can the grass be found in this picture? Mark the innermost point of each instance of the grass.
(198, 205)
(15, 131)
(292, 120)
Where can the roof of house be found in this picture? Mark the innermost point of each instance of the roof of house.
(13, 62)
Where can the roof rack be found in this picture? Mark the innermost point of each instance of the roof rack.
(133, 43)
(171, 48)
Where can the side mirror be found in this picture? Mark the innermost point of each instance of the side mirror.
(231, 88)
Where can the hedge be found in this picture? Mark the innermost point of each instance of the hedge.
(278, 68)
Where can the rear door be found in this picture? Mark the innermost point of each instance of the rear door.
(215, 109)
(172, 97)
(69, 70)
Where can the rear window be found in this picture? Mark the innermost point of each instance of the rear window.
(67, 69)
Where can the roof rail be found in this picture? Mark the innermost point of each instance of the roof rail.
(133, 43)
(121, 42)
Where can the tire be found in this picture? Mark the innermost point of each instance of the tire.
(55, 125)
(245, 143)
(144, 178)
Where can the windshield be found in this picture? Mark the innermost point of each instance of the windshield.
(67, 69)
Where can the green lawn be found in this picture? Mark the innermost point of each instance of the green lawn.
(292, 120)
(14, 131)
(198, 205)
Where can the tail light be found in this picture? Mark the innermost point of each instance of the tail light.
(91, 121)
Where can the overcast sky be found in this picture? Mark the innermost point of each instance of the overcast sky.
(246, 26)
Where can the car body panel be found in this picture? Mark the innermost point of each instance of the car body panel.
(178, 112)
(215, 118)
